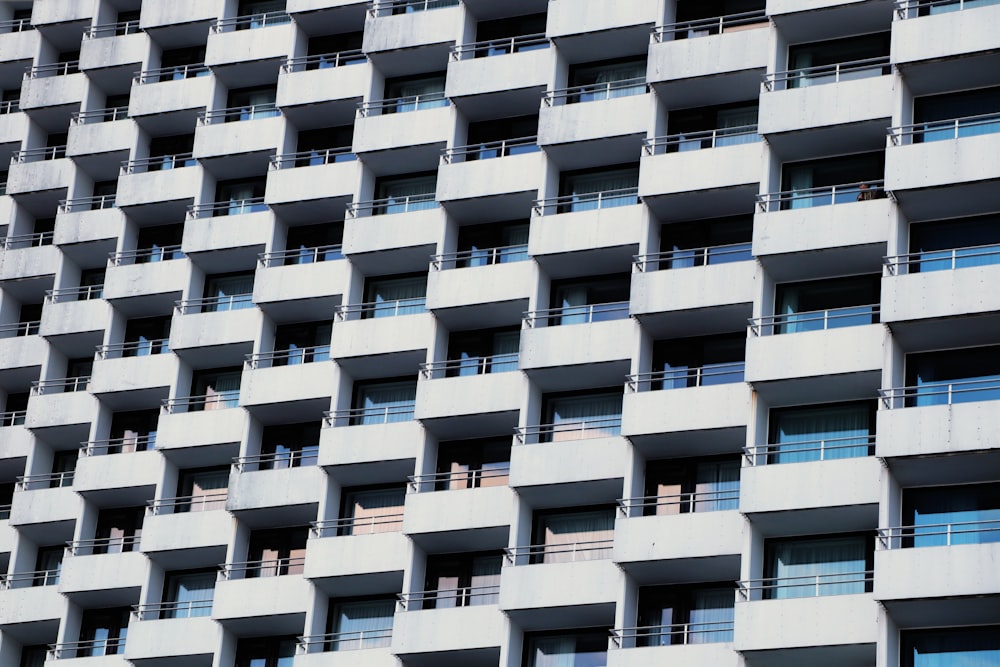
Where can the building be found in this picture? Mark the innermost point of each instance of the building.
(500, 333)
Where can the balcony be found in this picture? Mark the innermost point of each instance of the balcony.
(388, 124)
(88, 220)
(39, 169)
(194, 421)
(92, 653)
(407, 24)
(420, 631)
(19, 39)
(21, 347)
(73, 310)
(333, 82)
(164, 178)
(375, 452)
(31, 597)
(594, 16)
(676, 645)
(404, 232)
(58, 11)
(250, 593)
(601, 230)
(187, 538)
(54, 84)
(382, 328)
(470, 395)
(163, 13)
(361, 648)
(225, 320)
(147, 272)
(28, 256)
(594, 111)
(113, 45)
(171, 89)
(180, 631)
(294, 284)
(451, 511)
(590, 337)
(243, 223)
(323, 178)
(62, 406)
(144, 366)
(13, 123)
(921, 19)
(108, 571)
(46, 502)
(349, 558)
(504, 69)
(222, 133)
(101, 131)
(506, 172)
(264, 36)
(301, 485)
(128, 478)
(471, 288)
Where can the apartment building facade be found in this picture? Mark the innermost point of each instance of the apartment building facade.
(499, 333)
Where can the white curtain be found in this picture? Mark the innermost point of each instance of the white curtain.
(368, 509)
(419, 190)
(193, 594)
(623, 72)
(711, 609)
(717, 486)
(734, 118)
(387, 403)
(584, 189)
(843, 430)
(429, 93)
(568, 535)
(515, 236)
(385, 295)
(362, 624)
(568, 413)
(239, 287)
(505, 351)
(224, 392)
(818, 563)
(554, 652)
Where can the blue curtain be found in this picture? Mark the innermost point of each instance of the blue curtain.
(717, 486)
(387, 403)
(711, 609)
(197, 590)
(799, 431)
(818, 562)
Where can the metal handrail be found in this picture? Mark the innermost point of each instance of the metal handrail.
(47, 480)
(87, 547)
(694, 376)
(830, 318)
(388, 308)
(489, 47)
(140, 255)
(390, 205)
(275, 567)
(180, 609)
(324, 156)
(686, 503)
(464, 596)
(377, 108)
(38, 154)
(481, 365)
(907, 8)
(574, 94)
(250, 21)
(418, 483)
(82, 293)
(535, 318)
(5, 515)
(194, 503)
(113, 29)
(64, 385)
(302, 355)
(344, 641)
(36, 578)
(386, 414)
(324, 60)
(10, 106)
(19, 241)
(189, 71)
(900, 397)
(603, 199)
(672, 143)
(836, 70)
(323, 253)
(99, 115)
(20, 329)
(755, 589)
(904, 134)
(13, 418)
(158, 163)
(378, 8)
(382, 523)
(133, 348)
(773, 201)
(294, 459)
(694, 256)
(241, 113)
(138, 443)
(110, 645)
(708, 26)
(230, 301)
(223, 399)
(482, 257)
(892, 538)
(676, 633)
(585, 429)
(16, 25)
(95, 203)
(894, 263)
(600, 548)
(761, 454)
(498, 148)
(53, 69)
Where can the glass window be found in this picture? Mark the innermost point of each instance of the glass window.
(462, 580)
(816, 63)
(593, 189)
(228, 292)
(826, 304)
(136, 430)
(239, 196)
(33, 656)
(290, 445)
(701, 614)
(706, 242)
(811, 182)
(932, 109)
(596, 299)
(573, 417)
(943, 245)
(252, 103)
(188, 594)
(220, 389)
(680, 486)
(314, 243)
(103, 632)
(478, 352)
(403, 194)
(361, 624)
(573, 536)
(473, 463)
(302, 343)
(388, 297)
(384, 402)
(953, 376)
(48, 566)
(368, 511)
(809, 567)
(950, 647)
(415, 93)
(202, 490)
(277, 552)
(968, 514)
(118, 530)
(813, 433)
(584, 648)
(607, 80)
(146, 336)
(494, 243)
(698, 362)
(265, 652)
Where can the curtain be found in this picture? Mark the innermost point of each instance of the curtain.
(394, 193)
(801, 430)
(223, 392)
(191, 592)
(387, 403)
(720, 484)
(569, 413)
(710, 609)
(386, 294)
(363, 624)
(554, 652)
(734, 118)
(505, 351)
(563, 531)
(822, 558)
(584, 190)
(515, 236)
(962, 509)
(366, 508)
(801, 179)
(424, 88)
(485, 574)
(614, 74)
(954, 647)
(239, 287)
(208, 484)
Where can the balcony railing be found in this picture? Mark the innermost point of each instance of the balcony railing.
(96, 203)
(289, 357)
(48, 480)
(325, 253)
(941, 393)
(395, 7)
(708, 26)
(251, 22)
(368, 525)
(324, 61)
(204, 502)
(18, 329)
(681, 503)
(173, 73)
(499, 47)
(403, 104)
(259, 569)
(113, 29)
(466, 596)
(942, 130)
(377, 309)
(238, 114)
(480, 257)
(53, 69)
(168, 610)
(691, 257)
(815, 320)
(586, 201)
(38, 154)
(821, 74)
(459, 480)
(594, 92)
(126, 445)
(99, 115)
(82, 293)
(822, 196)
(939, 534)
(683, 378)
(813, 585)
(906, 9)
(136, 348)
(706, 632)
(15, 25)
(307, 456)
(215, 304)
(91, 648)
(5, 514)
(104, 545)
(566, 431)
(146, 255)
(19, 241)
(490, 149)
(595, 312)
(13, 418)
(390, 205)
(388, 414)
(9, 106)
(229, 398)
(344, 641)
(824, 449)
(498, 363)
(60, 385)
(29, 579)
(312, 158)
(942, 260)
(695, 141)
(158, 163)
(559, 553)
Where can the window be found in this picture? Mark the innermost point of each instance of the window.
(478, 352)
(698, 362)
(383, 402)
(325, 145)
(944, 245)
(202, 490)
(697, 614)
(953, 376)
(29, 315)
(276, 552)
(146, 336)
(102, 632)
(177, 64)
(471, 464)
(265, 652)
(826, 304)
(14, 409)
(48, 566)
(930, 110)
(301, 343)
(314, 243)
(833, 180)
(231, 291)
(170, 153)
(813, 433)
(372, 510)
(289, 446)
(490, 135)
(706, 242)
(968, 514)
(405, 193)
(462, 580)
(494, 243)
(503, 34)
(118, 530)
(681, 486)
(159, 244)
(342, 49)
(361, 624)
(415, 93)
(698, 10)
(188, 594)
(607, 80)
(215, 389)
(591, 189)
(235, 197)
(63, 468)
(133, 431)
(731, 124)
(569, 536)
(598, 299)
(252, 103)
(6, 499)
(809, 567)
(104, 194)
(582, 648)
(388, 297)
(577, 416)
(33, 656)
(950, 647)
(816, 63)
